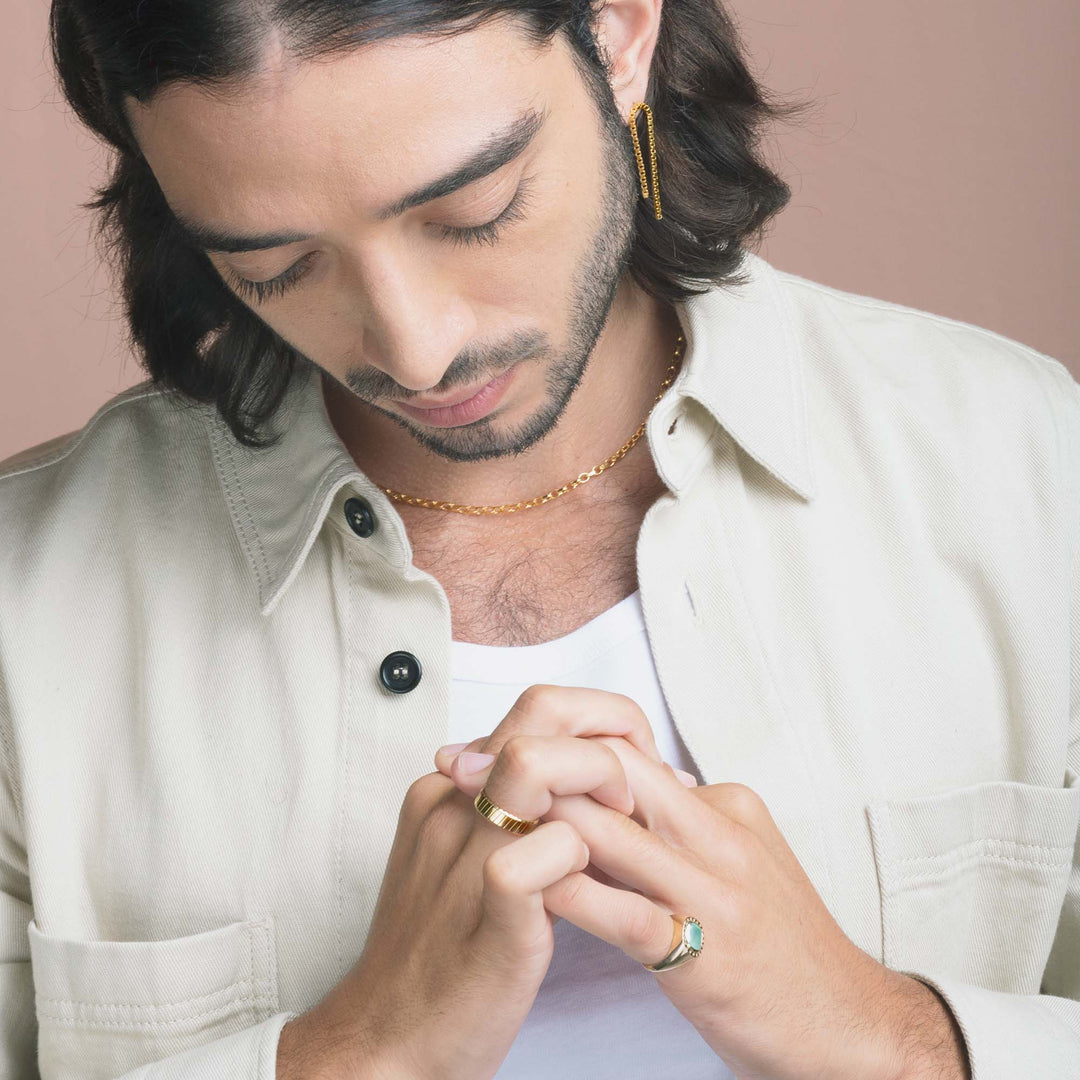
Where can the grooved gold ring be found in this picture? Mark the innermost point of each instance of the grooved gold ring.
(503, 818)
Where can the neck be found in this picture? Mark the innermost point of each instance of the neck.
(616, 392)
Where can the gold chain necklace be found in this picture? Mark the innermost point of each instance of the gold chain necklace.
(596, 470)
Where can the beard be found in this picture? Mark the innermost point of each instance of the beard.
(593, 287)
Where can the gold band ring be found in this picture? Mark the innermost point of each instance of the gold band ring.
(687, 941)
(503, 818)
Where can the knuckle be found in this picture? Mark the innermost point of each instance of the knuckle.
(519, 755)
(634, 710)
(618, 747)
(614, 757)
(612, 747)
(638, 721)
(423, 793)
(561, 832)
(425, 789)
(535, 700)
(439, 821)
(742, 802)
(501, 873)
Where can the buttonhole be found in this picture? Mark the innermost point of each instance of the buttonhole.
(693, 609)
(671, 430)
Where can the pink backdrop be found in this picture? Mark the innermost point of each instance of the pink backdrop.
(939, 169)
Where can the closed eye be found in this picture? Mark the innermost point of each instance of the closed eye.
(261, 291)
(490, 231)
(487, 233)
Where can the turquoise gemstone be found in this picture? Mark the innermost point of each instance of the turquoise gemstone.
(692, 935)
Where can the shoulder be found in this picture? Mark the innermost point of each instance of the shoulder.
(141, 447)
(962, 412)
(921, 350)
(939, 382)
(80, 440)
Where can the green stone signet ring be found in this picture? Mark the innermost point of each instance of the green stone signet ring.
(687, 942)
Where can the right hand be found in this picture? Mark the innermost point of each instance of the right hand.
(460, 939)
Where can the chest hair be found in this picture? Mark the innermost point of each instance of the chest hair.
(524, 583)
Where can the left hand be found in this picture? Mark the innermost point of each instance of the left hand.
(779, 991)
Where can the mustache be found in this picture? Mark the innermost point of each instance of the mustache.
(371, 384)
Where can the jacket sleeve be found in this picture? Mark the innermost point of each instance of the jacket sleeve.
(18, 1026)
(249, 1054)
(1019, 1035)
(1038, 1035)
(245, 1055)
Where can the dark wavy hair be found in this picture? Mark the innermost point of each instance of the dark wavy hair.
(199, 343)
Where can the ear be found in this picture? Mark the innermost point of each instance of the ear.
(626, 33)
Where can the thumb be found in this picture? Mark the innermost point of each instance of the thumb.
(446, 754)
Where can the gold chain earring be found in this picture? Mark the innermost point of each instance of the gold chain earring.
(652, 156)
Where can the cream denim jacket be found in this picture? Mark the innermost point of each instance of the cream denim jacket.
(861, 590)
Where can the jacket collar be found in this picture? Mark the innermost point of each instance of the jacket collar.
(743, 363)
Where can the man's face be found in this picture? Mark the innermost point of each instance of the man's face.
(408, 305)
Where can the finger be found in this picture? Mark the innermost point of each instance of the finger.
(739, 803)
(515, 876)
(662, 803)
(685, 778)
(531, 769)
(444, 759)
(643, 929)
(445, 755)
(580, 711)
(639, 858)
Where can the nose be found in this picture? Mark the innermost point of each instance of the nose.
(416, 323)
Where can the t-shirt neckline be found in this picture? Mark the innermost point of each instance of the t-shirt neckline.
(473, 662)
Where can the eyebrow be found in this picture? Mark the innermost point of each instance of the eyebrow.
(497, 150)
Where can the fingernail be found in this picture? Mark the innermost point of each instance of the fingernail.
(452, 748)
(470, 763)
(686, 778)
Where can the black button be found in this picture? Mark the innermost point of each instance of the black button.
(400, 672)
(359, 516)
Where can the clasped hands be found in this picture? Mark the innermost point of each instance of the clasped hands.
(779, 991)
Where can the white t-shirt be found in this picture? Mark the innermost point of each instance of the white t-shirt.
(598, 1013)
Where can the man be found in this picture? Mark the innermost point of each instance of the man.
(836, 583)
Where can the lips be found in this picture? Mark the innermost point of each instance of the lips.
(465, 410)
(445, 403)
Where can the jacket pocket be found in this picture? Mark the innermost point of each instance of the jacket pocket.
(973, 879)
(105, 1007)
